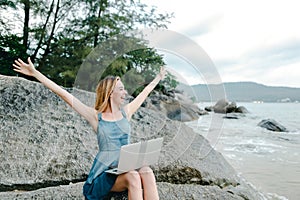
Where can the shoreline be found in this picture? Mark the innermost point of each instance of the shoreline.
(258, 154)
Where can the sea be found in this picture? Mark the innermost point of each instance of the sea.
(268, 160)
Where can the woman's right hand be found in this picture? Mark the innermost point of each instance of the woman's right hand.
(24, 68)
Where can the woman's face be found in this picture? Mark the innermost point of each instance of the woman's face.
(119, 93)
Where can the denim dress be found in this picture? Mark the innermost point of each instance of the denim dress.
(111, 136)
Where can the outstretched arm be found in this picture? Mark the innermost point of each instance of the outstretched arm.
(133, 106)
(87, 112)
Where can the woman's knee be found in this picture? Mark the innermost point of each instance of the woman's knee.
(133, 179)
(145, 171)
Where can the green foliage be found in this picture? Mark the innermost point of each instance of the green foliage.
(139, 67)
(76, 42)
(7, 3)
(170, 81)
(11, 48)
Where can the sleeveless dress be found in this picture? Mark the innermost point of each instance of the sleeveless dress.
(111, 136)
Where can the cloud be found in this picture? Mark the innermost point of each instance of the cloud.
(203, 27)
(263, 64)
(182, 69)
(183, 48)
(272, 64)
(265, 57)
(284, 53)
(247, 40)
(285, 75)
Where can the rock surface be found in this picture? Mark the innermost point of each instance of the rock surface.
(272, 125)
(174, 105)
(45, 146)
(223, 106)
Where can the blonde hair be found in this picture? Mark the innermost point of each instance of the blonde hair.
(103, 91)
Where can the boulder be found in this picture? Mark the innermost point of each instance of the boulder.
(223, 106)
(47, 150)
(220, 106)
(241, 109)
(177, 108)
(272, 125)
(230, 108)
(166, 191)
(209, 108)
(231, 116)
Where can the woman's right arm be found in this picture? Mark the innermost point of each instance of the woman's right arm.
(89, 113)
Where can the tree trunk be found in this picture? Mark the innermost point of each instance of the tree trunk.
(26, 23)
(43, 33)
(48, 43)
(103, 3)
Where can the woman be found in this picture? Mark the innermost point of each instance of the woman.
(110, 119)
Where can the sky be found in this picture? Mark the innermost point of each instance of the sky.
(247, 40)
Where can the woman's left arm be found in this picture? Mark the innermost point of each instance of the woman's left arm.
(133, 106)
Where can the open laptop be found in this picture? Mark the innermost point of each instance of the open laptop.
(136, 155)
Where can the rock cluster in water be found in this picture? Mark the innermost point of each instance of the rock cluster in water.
(223, 106)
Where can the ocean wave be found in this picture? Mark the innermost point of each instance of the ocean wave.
(253, 146)
(264, 149)
(233, 157)
(250, 148)
(293, 132)
(263, 196)
(273, 196)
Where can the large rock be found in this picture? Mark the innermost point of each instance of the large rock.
(174, 105)
(71, 191)
(272, 125)
(223, 106)
(45, 144)
(166, 191)
(220, 106)
(241, 109)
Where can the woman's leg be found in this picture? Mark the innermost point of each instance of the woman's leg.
(130, 181)
(149, 183)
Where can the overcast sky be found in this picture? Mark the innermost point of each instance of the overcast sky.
(249, 40)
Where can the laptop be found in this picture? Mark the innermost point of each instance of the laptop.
(136, 155)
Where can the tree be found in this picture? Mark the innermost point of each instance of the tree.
(5, 5)
(10, 48)
(26, 4)
(60, 34)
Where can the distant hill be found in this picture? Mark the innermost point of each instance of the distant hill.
(242, 92)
